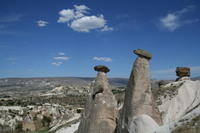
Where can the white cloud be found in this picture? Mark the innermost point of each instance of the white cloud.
(185, 10)
(106, 28)
(81, 10)
(78, 20)
(87, 23)
(105, 59)
(42, 23)
(66, 15)
(61, 58)
(57, 63)
(61, 53)
(170, 22)
(175, 20)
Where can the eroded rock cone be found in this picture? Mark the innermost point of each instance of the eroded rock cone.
(138, 96)
(101, 108)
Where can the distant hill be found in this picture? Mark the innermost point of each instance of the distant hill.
(196, 78)
(48, 83)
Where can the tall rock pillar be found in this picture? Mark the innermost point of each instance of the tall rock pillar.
(138, 96)
(101, 108)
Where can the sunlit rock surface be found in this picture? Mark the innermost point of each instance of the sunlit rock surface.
(101, 108)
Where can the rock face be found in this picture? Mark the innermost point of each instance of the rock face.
(142, 124)
(138, 96)
(31, 125)
(101, 108)
(33, 118)
(180, 112)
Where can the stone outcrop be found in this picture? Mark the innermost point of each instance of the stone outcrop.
(101, 108)
(14, 119)
(183, 73)
(138, 96)
(31, 125)
(142, 124)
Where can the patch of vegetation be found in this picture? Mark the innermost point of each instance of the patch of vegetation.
(18, 127)
(165, 92)
(192, 126)
(16, 102)
(118, 90)
(46, 121)
(79, 110)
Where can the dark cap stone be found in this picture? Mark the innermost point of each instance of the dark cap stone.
(101, 68)
(143, 53)
(183, 71)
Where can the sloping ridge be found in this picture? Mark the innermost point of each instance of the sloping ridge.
(182, 108)
(187, 98)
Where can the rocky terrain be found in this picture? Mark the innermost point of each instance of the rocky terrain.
(45, 104)
(33, 118)
(169, 108)
(102, 105)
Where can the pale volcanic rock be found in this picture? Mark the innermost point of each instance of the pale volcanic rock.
(187, 98)
(138, 96)
(142, 124)
(58, 89)
(183, 78)
(101, 108)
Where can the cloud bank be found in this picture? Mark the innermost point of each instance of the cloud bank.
(60, 59)
(174, 20)
(42, 23)
(79, 20)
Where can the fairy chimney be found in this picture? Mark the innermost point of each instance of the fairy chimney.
(183, 73)
(101, 108)
(138, 96)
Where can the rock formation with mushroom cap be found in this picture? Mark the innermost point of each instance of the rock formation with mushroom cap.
(138, 96)
(183, 73)
(101, 108)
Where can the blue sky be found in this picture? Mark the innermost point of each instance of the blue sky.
(69, 37)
